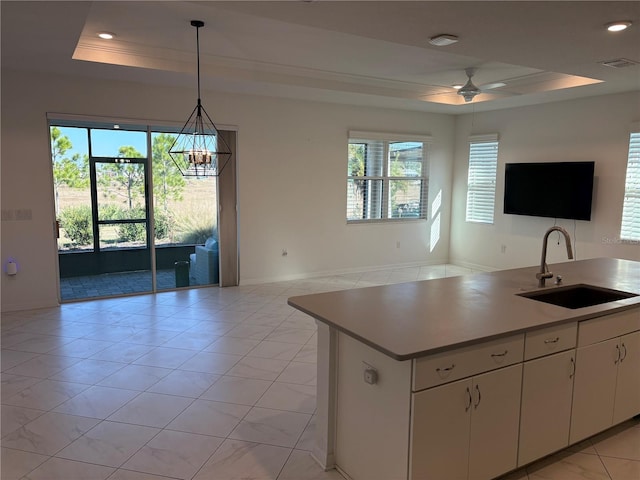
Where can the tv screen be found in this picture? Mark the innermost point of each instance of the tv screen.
(556, 189)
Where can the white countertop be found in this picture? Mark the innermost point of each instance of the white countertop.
(409, 320)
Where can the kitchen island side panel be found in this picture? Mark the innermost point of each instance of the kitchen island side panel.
(373, 420)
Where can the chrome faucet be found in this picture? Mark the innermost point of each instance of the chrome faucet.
(544, 270)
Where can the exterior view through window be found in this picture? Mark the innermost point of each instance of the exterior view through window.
(386, 180)
(121, 202)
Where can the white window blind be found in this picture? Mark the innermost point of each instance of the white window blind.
(481, 183)
(630, 228)
(387, 177)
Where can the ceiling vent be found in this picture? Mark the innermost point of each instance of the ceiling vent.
(619, 63)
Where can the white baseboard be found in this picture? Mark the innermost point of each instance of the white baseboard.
(344, 271)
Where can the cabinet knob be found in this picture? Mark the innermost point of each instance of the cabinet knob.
(617, 355)
(552, 340)
(624, 352)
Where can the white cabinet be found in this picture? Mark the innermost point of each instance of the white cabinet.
(594, 389)
(607, 384)
(440, 431)
(468, 428)
(627, 402)
(545, 417)
(493, 444)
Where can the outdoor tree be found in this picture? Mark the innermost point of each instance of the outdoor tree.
(168, 182)
(73, 171)
(356, 169)
(124, 179)
(396, 169)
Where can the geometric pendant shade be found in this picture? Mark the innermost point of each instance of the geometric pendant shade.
(199, 150)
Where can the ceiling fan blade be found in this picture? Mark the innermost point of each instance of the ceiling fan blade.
(491, 86)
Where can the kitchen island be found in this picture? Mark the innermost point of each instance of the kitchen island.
(464, 378)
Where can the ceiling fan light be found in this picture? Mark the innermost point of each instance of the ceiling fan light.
(469, 90)
(469, 96)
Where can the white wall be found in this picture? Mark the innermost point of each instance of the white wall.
(591, 129)
(292, 178)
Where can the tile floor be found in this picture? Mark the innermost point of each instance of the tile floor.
(205, 384)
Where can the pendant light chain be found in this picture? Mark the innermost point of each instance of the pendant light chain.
(198, 56)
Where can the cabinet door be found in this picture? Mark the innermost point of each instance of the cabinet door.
(594, 389)
(627, 403)
(545, 417)
(493, 446)
(440, 432)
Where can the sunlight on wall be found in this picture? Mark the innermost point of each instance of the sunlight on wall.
(435, 225)
(435, 205)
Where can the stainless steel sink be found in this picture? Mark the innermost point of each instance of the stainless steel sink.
(577, 296)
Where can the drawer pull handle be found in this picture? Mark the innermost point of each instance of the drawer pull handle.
(552, 340)
(443, 372)
(618, 355)
(494, 355)
(475, 405)
(466, 409)
(624, 352)
(573, 368)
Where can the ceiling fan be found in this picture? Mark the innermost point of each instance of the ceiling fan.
(469, 90)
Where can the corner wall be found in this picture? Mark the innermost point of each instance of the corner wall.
(591, 129)
(291, 175)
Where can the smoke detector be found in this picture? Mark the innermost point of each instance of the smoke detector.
(443, 40)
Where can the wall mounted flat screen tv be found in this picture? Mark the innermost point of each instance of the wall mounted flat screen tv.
(555, 189)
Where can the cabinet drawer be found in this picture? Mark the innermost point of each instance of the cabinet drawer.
(608, 326)
(466, 361)
(539, 343)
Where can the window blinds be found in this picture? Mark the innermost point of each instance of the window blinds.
(630, 229)
(481, 184)
(387, 177)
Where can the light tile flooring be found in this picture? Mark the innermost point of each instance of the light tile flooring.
(206, 384)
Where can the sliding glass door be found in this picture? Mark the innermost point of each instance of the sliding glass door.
(129, 222)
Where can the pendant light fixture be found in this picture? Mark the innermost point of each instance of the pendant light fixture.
(199, 150)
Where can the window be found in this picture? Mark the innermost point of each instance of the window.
(630, 229)
(481, 183)
(387, 177)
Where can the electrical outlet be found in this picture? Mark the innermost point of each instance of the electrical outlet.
(398, 244)
(370, 374)
(503, 249)
(284, 252)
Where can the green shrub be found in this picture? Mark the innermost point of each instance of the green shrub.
(131, 232)
(77, 224)
(110, 212)
(196, 225)
(163, 224)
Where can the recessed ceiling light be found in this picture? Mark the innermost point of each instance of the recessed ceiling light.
(457, 86)
(443, 40)
(618, 26)
(106, 35)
